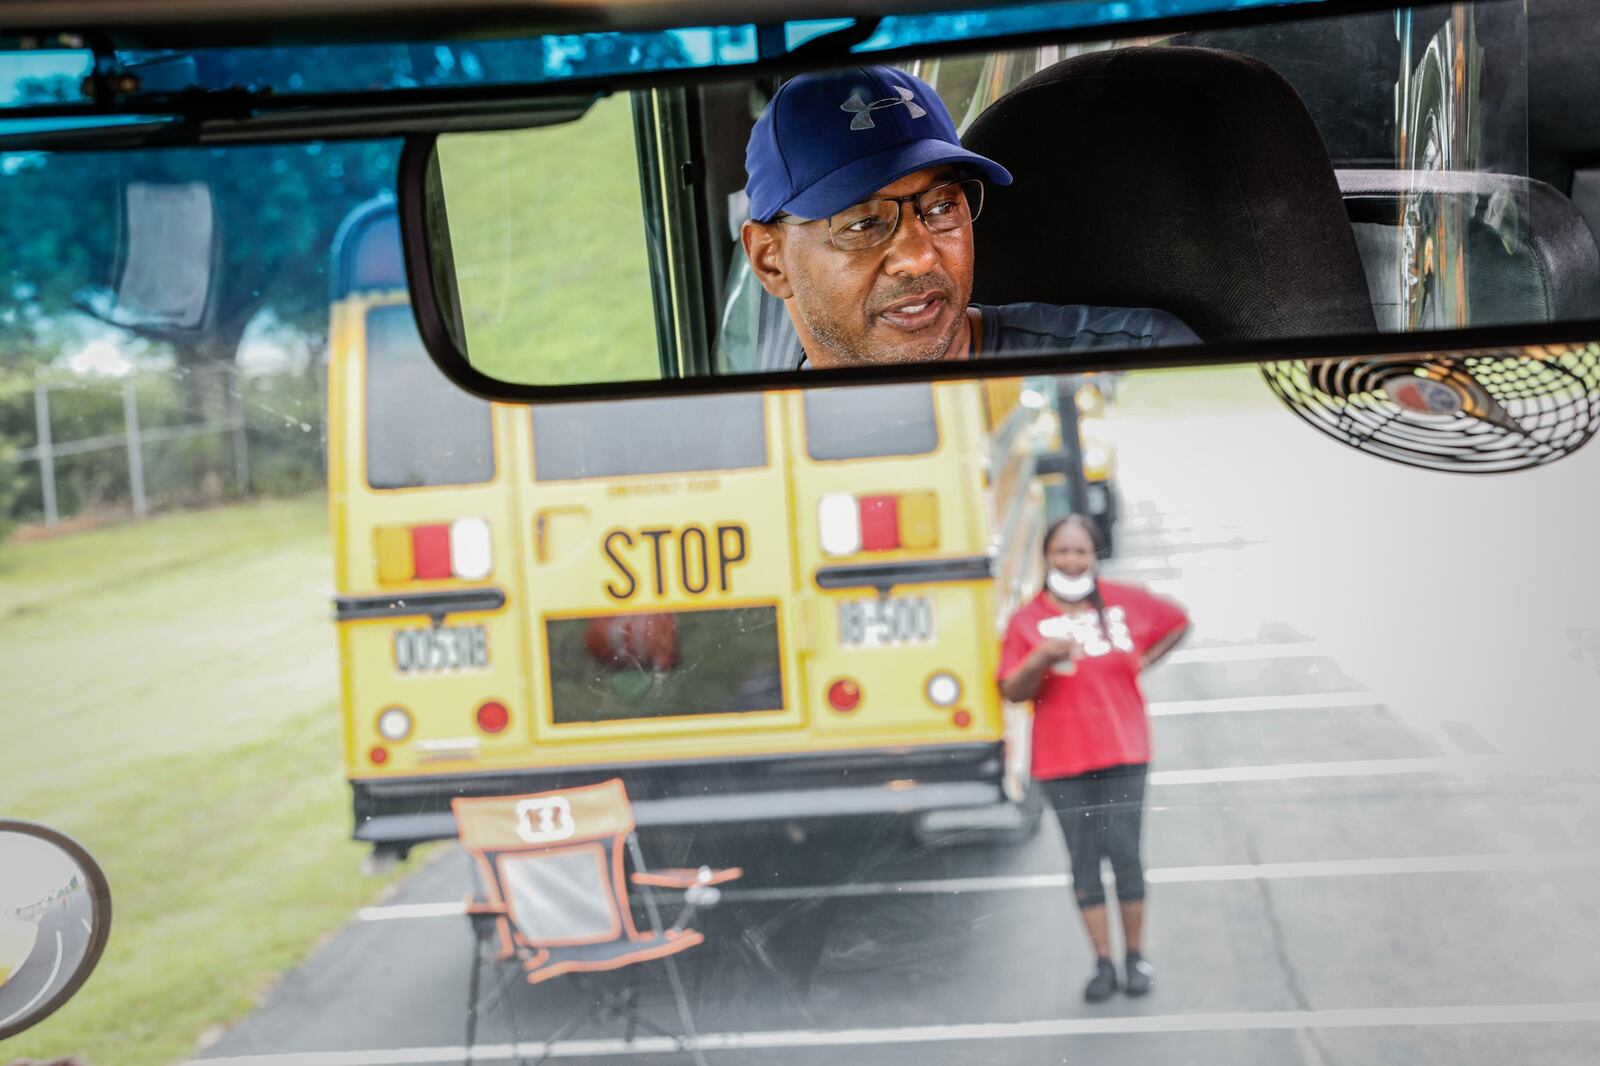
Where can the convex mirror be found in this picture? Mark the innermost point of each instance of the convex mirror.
(55, 916)
(1374, 185)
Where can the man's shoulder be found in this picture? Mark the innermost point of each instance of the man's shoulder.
(1011, 329)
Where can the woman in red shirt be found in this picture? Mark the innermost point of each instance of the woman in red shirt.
(1076, 651)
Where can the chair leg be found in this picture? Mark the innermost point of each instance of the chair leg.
(570, 1026)
(690, 1036)
(472, 1000)
(626, 1003)
(633, 1007)
(502, 986)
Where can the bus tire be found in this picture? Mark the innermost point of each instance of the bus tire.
(1031, 811)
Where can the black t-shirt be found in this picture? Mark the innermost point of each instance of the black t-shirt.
(1019, 329)
(1025, 328)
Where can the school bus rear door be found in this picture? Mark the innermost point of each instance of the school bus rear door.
(659, 579)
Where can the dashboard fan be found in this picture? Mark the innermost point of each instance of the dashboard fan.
(1485, 412)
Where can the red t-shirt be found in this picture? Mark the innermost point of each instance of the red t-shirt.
(1092, 718)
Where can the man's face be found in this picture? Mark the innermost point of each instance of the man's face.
(903, 301)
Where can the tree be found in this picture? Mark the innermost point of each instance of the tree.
(63, 215)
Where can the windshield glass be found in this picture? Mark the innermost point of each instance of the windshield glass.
(1182, 715)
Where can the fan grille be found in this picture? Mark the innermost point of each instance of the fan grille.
(1485, 412)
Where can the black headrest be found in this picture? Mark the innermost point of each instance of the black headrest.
(1530, 255)
(1186, 179)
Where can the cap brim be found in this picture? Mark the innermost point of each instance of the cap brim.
(859, 179)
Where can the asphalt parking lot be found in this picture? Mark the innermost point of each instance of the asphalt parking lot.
(1339, 873)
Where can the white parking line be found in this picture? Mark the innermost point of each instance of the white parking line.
(1498, 862)
(1298, 771)
(1312, 701)
(49, 982)
(1214, 1022)
(411, 910)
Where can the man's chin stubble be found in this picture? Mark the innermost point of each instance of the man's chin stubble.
(932, 352)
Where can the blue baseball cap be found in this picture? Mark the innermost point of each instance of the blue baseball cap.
(826, 141)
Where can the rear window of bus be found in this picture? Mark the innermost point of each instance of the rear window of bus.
(678, 435)
(421, 429)
(870, 423)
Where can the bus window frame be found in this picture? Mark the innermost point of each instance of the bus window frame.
(496, 467)
(936, 452)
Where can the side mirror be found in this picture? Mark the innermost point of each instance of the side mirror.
(55, 915)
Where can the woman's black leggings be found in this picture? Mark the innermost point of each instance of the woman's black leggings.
(1101, 814)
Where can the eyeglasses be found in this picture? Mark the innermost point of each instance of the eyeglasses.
(943, 209)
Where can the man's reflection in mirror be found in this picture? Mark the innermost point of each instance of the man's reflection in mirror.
(862, 203)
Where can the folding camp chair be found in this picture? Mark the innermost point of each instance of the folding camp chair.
(555, 901)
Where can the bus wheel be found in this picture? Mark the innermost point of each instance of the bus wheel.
(383, 858)
(1030, 816)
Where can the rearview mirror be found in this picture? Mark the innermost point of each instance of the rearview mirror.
(1070, 207)
(55, 915)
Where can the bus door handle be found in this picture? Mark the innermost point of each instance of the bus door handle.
(544, 518)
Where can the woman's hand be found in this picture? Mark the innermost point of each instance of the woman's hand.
(1022, 684)
(1055, 650)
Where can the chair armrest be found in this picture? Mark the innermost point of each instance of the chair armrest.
(685, 878)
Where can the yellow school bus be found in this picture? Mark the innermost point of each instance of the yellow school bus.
(751, 607)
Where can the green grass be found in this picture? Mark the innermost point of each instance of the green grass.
(547, 232)
(171, 702)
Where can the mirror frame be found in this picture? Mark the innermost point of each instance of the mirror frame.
(100, 900)
(416, 162)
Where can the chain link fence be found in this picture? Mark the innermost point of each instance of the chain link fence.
(147, 441)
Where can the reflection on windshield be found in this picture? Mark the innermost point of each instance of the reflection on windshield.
(1109, 718)
(1317, 745)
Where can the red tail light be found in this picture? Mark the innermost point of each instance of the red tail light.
(379, 756)
(430, 551)
(844, 695)
(433, 551)
(493, 717)
(880, 523)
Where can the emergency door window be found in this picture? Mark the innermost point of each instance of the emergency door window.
(421, 429)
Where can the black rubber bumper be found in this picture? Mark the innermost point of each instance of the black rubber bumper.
(400, 812)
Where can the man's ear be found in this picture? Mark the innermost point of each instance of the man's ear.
(763, 246)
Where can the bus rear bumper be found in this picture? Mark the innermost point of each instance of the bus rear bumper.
(400, 812)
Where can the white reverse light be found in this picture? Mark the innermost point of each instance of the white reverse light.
(840, 521)
(943, 690)
(394, 724)
(470, 556)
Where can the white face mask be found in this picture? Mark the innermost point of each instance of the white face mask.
(1071, 589)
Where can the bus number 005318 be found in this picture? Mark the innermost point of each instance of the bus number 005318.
(438, 648)
(885, 622)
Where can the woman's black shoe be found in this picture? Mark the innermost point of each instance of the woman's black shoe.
(1102, 984)
(1141, 975)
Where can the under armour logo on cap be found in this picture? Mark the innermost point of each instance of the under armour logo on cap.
(804, 159)
(863, 110)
